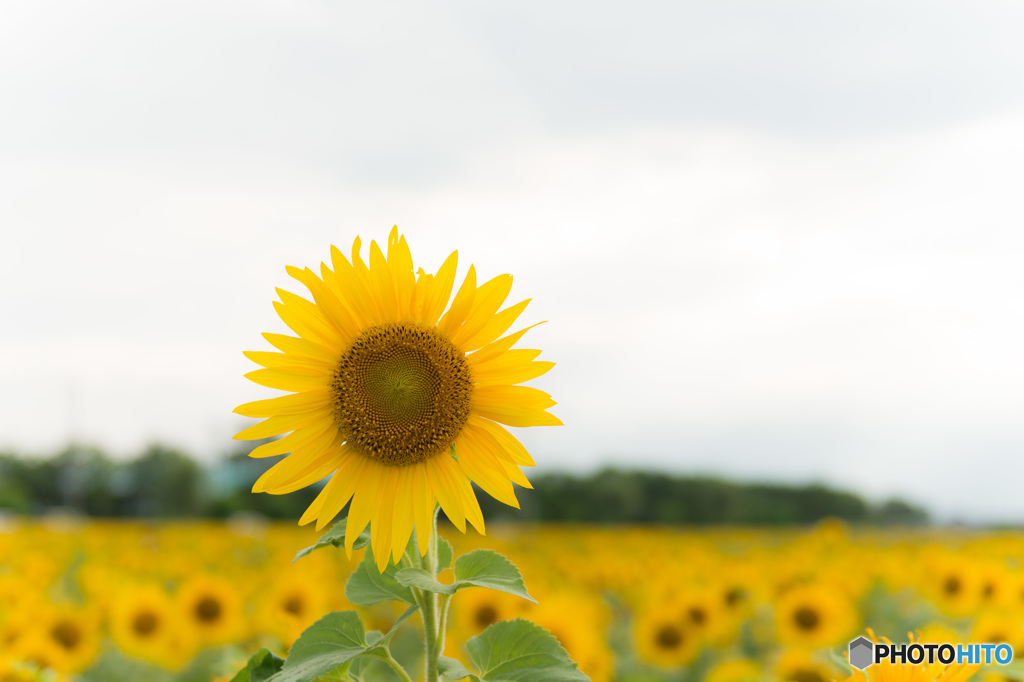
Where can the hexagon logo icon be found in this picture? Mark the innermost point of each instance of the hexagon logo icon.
(862, 653)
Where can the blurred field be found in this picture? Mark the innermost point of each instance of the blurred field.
(170, 601)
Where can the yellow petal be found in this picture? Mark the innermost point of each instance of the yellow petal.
(332, 309)
(364, 500)
(306, 320)
(503, 394)
(400, 260)
(440, 290)
(443, 482)
(495, 374)
(353, 290)
(461, 306)
(303, 348)
(495, 327)
(295, 403)
(419, 295)
(321, 434)
(403, 517)
(493, 350)
(383, 284)
(313, 510)
(268, 359)
(515, 415)
(291, 378)
(423, 503)
(298, 470)
(277, 425)
(381, 521)
(513, 447)
(478, 462)
(363, 281)
(343, 485)
(486, 301)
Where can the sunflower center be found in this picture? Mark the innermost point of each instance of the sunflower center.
(485, 615)
(668, 637)
(952, 585)
(401, 393)
(293, 605)
(145, 623)
(66, 634)
(806, 618)
(208, 610)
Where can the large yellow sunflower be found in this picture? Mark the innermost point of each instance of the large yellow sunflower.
(398, 394)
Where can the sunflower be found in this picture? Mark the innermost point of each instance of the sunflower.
(664, 639)
(76, 631)
(291, 605)
(399, 400)
(142, 624)
(814, 615)
(212, 607)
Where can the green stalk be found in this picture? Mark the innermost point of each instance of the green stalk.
(397, 667)
(432, 632)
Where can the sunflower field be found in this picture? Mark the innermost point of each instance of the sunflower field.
(94, 601)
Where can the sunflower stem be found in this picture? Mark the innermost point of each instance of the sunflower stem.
(432, 632)
(397, 667)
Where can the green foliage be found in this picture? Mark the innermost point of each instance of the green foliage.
(479, 568)
(367, 586)
(163, 482)
(324, 646)
(616, 496)
(515, 650)
(335, 537)
(261, 667)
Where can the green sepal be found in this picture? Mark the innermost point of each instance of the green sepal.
(330, 644)
(367, 586)
(335, 537)
(261, 667)
(517, 649)
(479, 568)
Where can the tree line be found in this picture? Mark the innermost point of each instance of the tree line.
(163, 482)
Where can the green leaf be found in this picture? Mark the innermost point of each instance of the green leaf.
(479, 568)
(519, 650)
(452, 669)
(336, 537)
(444, 554)
(261, 667)
(326, 645)
(367, 586)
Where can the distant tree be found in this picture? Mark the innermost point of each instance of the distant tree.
(165, 482)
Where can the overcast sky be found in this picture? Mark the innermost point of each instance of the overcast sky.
(773, 240)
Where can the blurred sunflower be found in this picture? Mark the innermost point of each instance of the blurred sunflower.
(75, 630)
(212, 608)
(400, 400)
(38, 649)
(814, 616)
(142, 622)
(662, 638)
